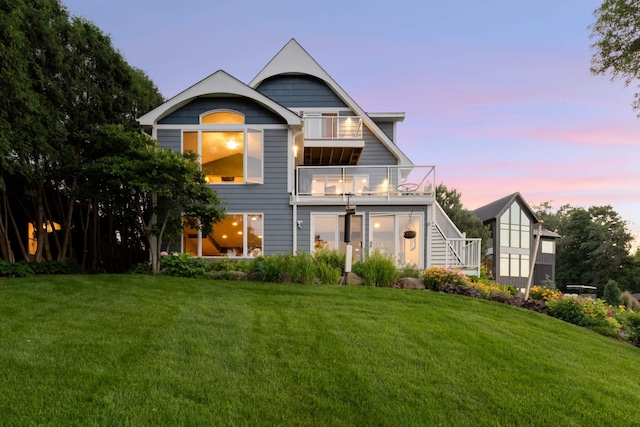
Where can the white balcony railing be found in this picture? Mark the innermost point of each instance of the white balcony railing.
(333, 127)
(464, 254)
(366, 181)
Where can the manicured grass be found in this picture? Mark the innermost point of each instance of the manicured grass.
(139, 350)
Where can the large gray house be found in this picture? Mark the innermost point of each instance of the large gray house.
(514, 227)
(288, 153)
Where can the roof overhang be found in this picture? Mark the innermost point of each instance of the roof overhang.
(219, 84)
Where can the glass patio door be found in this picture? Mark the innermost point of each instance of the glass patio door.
(387, 237)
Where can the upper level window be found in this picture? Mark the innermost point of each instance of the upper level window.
(515, 228)
(231, 155)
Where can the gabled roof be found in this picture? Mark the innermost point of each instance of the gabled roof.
(293, 59)
(218, 83)
(495, 209)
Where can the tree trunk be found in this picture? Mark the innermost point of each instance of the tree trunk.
(16, 230)
(41, 232)
(86, 227)
(95, 238)
(50, 223)
(66, 229)
(5, 241)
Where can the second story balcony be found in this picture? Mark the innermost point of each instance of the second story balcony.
(332, 127)
(364, 184)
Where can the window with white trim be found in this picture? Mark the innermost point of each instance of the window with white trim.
(387, 235)
(238, 235)
(229, 152)
(328, 233)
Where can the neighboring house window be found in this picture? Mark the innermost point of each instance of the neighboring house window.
(387, 237)
(328, 232)
(515, 234)
(548, 246)
(238, 235)
(232, 154)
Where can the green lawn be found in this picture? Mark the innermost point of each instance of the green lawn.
(139, 350)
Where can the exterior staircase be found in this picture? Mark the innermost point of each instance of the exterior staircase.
(450, 248)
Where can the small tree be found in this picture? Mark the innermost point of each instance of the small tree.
(612, 294)
(160, 187)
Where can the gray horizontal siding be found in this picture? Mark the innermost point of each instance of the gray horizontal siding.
(254, 113)
(270, 198)
(387, 128)
(299, 91)
(170, 138)
(375, 152)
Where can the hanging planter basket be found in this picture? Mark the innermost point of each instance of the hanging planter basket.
(409, 234)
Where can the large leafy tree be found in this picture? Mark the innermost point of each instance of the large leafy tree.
(616, 35)
(593, 246)
(61, 80)
(466, 221)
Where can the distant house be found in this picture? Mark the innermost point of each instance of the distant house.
(513, 227)
(288, 152)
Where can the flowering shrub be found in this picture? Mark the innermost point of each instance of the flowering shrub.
(543, 293)
(435, 277)
(488, 289)
(583, 311)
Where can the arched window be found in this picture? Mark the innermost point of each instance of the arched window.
(222, 117)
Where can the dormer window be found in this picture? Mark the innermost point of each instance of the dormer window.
(229, 151)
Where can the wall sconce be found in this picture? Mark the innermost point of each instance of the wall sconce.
(299, 223)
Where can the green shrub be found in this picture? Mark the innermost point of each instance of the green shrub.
(55, 267)
(328, 274)
(409, 270)
(632, 325)
(512, 289)
(330, 257)
(612, 293)
(379, 270)
(18, 269)
(358, 268)
(270, 268)
(184, 265)
(142, 268)
(548, 283)
(302, 268)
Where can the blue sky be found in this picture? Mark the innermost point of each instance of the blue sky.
(497, 93)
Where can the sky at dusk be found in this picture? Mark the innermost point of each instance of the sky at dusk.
(497, 93)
